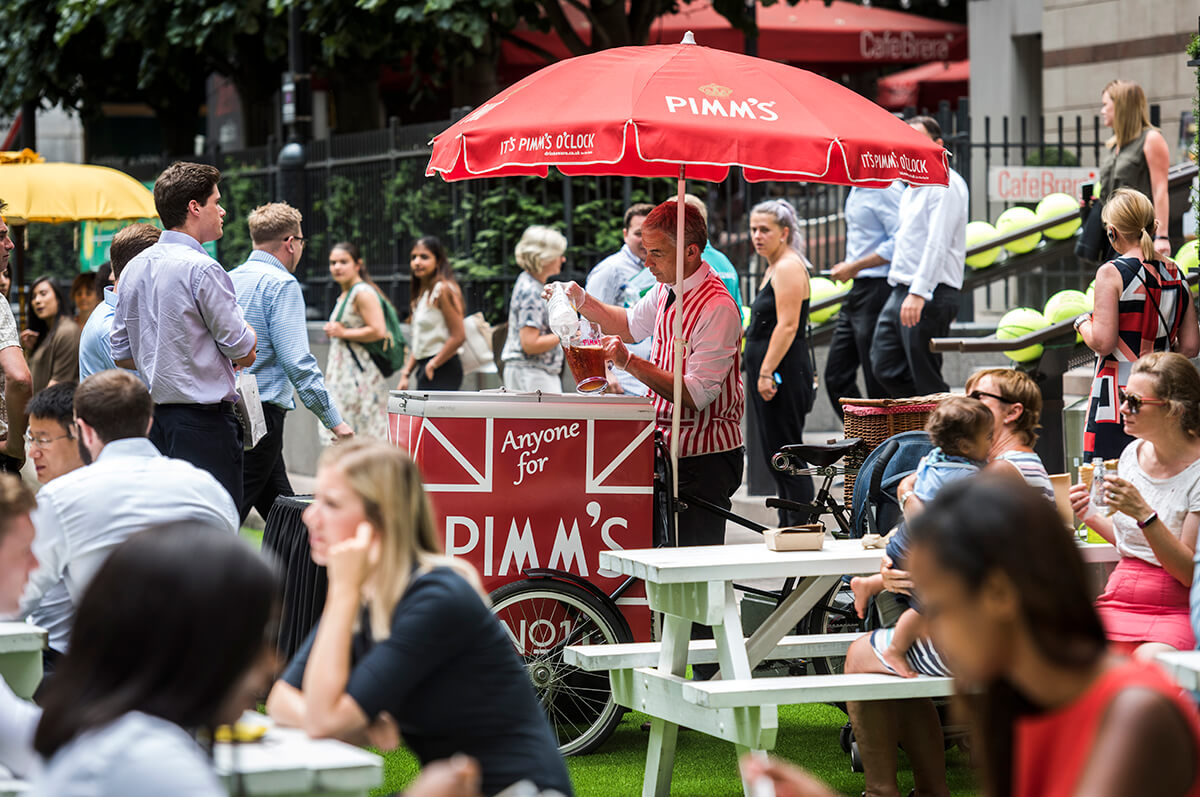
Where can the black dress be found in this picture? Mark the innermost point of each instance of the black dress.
(780, 421)
(450, 677)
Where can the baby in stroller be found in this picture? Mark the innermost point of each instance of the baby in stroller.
(961, 432)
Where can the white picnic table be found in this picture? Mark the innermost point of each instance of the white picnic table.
(1183, 666)
(21, 646)
(695, 584)
(287, 762)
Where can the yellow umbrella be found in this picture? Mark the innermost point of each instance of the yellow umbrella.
(57, 192)
(37, 192)
(21, 156)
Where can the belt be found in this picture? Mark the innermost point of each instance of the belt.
(221, 406)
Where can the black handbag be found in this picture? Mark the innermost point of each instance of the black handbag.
(1091, 245)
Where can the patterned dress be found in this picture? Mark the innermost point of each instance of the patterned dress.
(1150, 310)
(358, 388)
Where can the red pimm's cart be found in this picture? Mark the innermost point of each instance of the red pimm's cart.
(530, 488)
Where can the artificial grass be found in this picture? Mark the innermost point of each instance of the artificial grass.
(252, 536)
(706, 766)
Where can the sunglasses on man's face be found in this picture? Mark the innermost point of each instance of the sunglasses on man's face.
(1135, 402)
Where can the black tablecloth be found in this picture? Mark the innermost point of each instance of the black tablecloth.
(304, 583)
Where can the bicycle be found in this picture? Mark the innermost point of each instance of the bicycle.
(551, 609)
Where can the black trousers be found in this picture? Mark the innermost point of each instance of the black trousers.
(851, 344)
(900, 357)
(264, 474)
(715, 478)
(448, 377)
(206, 435)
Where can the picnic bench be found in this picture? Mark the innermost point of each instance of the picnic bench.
(21, 646)
(697, 585)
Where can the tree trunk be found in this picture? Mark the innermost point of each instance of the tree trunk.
(475, 83)
(355, 104)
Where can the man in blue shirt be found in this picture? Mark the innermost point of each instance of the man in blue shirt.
(95, 349)
(872, 218)
(270, 298)
(609, 281)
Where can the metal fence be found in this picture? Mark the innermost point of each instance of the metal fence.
(370, 188)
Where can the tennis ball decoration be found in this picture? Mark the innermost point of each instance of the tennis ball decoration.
(1013, 220)
(1188, 259)
(1091, 292)
(979, 232)
(1016, 323)
(1067, 305)
(822, 288)
(1055, 205)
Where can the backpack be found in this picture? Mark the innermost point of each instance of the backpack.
(387, 353)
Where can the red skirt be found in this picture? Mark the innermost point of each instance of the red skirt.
(1144, 603)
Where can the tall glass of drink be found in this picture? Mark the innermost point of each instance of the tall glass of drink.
(585, 357)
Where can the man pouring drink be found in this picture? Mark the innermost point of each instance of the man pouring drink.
(710, 444)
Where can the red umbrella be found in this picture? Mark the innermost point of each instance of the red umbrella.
(841, 33)
(682, 110)
(644, 111)
(903, 88)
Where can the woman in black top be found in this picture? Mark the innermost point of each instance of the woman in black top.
(777, 357)
(406, 642)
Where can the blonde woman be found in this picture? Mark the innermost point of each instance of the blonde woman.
(532, 355)
(1156, 495)
(406, 646)
(1136, 156)
(1141, 306)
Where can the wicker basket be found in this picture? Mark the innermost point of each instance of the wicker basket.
(875, 420)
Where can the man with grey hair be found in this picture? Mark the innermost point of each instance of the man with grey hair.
(18, 383)
(270, 298)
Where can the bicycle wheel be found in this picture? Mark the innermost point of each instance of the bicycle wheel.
(833, 614)
(543, 616)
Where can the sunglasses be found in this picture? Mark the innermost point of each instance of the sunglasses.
(1135, 401)
(979, 394)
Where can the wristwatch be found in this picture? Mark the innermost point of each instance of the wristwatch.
(1079, 319)
(1141, 524)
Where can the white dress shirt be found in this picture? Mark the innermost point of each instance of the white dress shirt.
(931, 244)
(82, 515)
(712, 347)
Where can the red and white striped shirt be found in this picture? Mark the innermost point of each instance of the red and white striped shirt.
(712, 376)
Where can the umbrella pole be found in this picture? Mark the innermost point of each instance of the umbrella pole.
(677, 336)
(18, 279)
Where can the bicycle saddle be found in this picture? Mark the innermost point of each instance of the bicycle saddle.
(821, 455)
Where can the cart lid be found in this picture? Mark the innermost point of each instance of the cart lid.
(502, 404)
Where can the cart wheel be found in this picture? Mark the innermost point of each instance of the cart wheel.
(856, 764)
(833, 614)
(542, 616)
(846, 737)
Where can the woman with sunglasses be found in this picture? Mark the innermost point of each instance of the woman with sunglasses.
(1016, 406)
(1141, 306)
(1155, 497)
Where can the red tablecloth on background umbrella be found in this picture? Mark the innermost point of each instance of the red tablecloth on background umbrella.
(685, 111)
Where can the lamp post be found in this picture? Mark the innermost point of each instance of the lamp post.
(297, 115)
